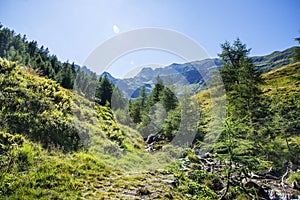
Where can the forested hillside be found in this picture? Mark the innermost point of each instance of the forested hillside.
(15, 47)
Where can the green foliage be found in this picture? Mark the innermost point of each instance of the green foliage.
(156, 92)
(16, 48)
(297, 51)
(275, 142)
(261, 130)
(241, 79)
(36, 107)
(195, 184)
(66, 76)
(157, 113)
(104, 91)
(108, 125)
(168, 99)
(295, 177)
(282, 93)
(135, 110)
(30, 172)
(7, 140)
(172, 123)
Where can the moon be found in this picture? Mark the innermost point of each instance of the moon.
(116, 29)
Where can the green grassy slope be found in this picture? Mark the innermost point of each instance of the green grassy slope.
(279, 135)
(274, 60)
(282, 91)
(285, 79)
(281, 94)
(55, 144)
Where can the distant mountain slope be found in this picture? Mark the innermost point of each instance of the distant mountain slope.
(274, 60)
(84, 69)
(191, 75)
(110, 77)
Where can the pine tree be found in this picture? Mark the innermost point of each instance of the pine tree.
(117, 100)
(66, 76)
(172, 123)
(168, 99)
(135, 111)
(104, 91)
(241, 79)
(156, 92)
(138, 108)
(143, 96)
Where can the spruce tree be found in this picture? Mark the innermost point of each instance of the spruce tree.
(156, 92)
(104, 91)
(143, 96)
(168, 99)
(135, 111)
(241, 79)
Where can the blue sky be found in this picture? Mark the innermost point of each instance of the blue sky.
(73, 29)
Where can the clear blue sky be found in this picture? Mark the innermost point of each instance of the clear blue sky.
(71, 29)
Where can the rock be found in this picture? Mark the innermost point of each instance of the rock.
(171, 182)
(143, 191)
(295, 185)
(259, 190)
(294, 196)
(153, 138)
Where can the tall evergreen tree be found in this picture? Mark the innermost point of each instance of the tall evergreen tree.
(135, 111)
(66, 76)
(241, 79)
(143, 96)
(156, 92)
(117, 100)
(168, 99)
(104, 91)
(138, 108)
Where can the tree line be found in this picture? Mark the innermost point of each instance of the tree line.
(16, 47)
(38, 60)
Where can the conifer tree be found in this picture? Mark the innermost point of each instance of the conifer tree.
(104, 91)
(241, 79)
(135, 111)
(143, 96)
(168, 99)
(158, 88)
(118, 102)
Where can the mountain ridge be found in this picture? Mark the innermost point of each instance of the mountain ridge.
(260, 61)
(194, 74)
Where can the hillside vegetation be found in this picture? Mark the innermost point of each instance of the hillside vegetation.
(90, 143)
(56, 144)
(274, 60)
